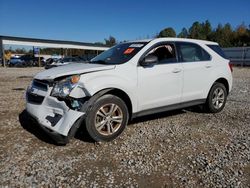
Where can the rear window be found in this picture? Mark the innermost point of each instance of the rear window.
(218, 50)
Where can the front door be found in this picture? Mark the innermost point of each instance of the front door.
(161, 84)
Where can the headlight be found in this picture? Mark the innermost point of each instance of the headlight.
(65, 86)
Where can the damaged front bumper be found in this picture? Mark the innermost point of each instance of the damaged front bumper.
(49, 112)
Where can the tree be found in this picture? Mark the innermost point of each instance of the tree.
(201, 30)
(50, 51)
(111, 41)
(20, 51)
(206, 30)
(167, 32)
(183, 33)
(99, 43)
(195, 31)
(218, 34)
(248, 34)
(242, 35)
(223, 35)
(227, 35)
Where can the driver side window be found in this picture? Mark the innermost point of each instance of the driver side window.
(165, 53)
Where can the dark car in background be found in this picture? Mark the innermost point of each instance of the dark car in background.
(30, 60)
(26, 61)
(14, 61)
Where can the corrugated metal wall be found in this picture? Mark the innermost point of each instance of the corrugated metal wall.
(238, 55)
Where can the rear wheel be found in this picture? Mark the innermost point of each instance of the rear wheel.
(216, 98)
(107, 118)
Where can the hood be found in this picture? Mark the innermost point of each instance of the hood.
(71, 69)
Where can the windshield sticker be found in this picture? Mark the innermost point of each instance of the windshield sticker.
(136, 45)
(128, 51)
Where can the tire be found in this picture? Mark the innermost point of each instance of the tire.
(107, 118)
(216, 99)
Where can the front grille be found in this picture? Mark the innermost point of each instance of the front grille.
(41, 84)
(34, 98)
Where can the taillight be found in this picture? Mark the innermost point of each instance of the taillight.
(230, 66)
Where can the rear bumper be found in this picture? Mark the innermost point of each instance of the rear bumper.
(54, 115)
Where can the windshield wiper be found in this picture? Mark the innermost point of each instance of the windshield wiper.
(99, 62)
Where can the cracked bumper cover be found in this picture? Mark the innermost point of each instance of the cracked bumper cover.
(54, 115)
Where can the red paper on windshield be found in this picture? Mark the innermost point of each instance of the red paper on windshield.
(128, 51)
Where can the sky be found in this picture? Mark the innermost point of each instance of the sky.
(94, 20)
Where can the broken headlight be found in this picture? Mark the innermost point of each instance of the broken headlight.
(63, 87)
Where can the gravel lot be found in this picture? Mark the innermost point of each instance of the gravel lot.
(184, 148)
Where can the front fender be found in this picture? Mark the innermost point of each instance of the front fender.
(94, 84)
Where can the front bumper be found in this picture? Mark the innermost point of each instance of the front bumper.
(53, 114)
(57, 138)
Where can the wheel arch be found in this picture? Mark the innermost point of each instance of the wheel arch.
(119, 93)
(113, 91)
(124, 96)
(224, 82)
(221, 80)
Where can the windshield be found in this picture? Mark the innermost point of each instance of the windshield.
(119, 54)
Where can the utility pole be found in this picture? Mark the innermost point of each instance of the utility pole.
(39, 61)
(243, 54)
(2, 52)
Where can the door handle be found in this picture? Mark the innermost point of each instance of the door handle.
(208, 66)
(176, 70)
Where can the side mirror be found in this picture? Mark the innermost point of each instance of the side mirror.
(149, 60)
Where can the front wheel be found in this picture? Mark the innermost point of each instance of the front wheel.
(216, 99)
(107, 118)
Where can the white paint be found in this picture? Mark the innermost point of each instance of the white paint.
(148, 87)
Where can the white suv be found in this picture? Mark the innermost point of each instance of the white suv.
(129, 80)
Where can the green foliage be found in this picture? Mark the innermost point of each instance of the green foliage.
(195, 31)
(16, 51)
(242, 36)
(206, 29)
(50, 51)
(167, 32)
(111, 41)
(201, 31)
(184, 33)
(225, 35)
(99, 43)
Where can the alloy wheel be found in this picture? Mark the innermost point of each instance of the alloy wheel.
(218, 98)
(108, 119)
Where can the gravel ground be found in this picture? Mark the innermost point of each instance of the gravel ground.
(184, 148)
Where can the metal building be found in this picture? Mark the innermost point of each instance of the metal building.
(10, 40)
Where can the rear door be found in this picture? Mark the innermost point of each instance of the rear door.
(197, 68)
